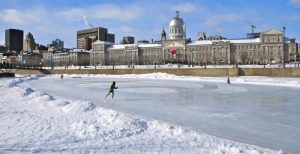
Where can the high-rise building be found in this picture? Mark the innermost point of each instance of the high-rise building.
(29, 43)
(14, 39)
(128, 40)
(59, 44)
(87, 36)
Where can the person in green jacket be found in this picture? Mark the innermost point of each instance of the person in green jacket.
(111, 89)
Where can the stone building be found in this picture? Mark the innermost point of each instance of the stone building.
(31, 59)
(60, 59)
(47, 58)
(12, 60)
(269, 47)
(97, 54)
(29, 43)
(75, 57)
(79, 57)
(292, 47)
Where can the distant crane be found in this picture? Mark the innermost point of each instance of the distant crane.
(252, 28)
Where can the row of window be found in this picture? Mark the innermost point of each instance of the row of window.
(176, 30)
(272, 39)
(259, 53)
(98, 47)
(246, 47)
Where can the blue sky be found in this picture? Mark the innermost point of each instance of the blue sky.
(144, 19)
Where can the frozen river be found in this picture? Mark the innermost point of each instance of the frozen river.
(263, 115)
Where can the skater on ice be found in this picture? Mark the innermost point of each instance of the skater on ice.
(228, 81)
(111, 89)
(62, 77)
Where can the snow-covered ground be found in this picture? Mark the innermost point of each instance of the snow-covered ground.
(151, 113)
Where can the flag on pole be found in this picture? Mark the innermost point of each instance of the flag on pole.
(172, 51)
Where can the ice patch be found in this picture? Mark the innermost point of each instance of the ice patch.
(151, 90)
(219, 115)
(230, 89)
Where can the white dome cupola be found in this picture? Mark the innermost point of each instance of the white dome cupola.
(177, 27)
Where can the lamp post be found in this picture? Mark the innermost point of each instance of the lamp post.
(193, 56)
(283, 62)
(191, 60)
(264, 58)
(205, 60)
(52, 63)
(132, 58)
(295, 59)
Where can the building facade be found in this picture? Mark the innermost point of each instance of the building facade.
(86, 37)
(269, 47)
(32, 59)
(60, 59)
(29, 43)
(14, 39)
(79, 57)
(47, 58)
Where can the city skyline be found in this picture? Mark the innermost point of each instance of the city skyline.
(48, 20)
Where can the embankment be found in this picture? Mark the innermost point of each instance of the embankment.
(276, 72)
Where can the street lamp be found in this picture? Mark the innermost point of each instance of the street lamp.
(191, 59)
(295, 59)
(264, 57)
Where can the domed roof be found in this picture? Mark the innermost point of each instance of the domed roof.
(176, 21)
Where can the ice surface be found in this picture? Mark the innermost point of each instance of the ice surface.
(51, 114)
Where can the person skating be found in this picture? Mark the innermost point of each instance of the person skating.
(111, 89)
(62, 77)
(228, 81)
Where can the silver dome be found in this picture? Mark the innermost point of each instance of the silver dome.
(176, 21)
(177, 27)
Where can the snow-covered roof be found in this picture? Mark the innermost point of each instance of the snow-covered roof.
(142, 45)
(78, 50)
(120, 46)
(102, 42)
(257, 40)
(117, 46)
(208, 42)
(148, 45)
(200, 42)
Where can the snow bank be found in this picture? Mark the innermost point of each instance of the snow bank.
(36, 122)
